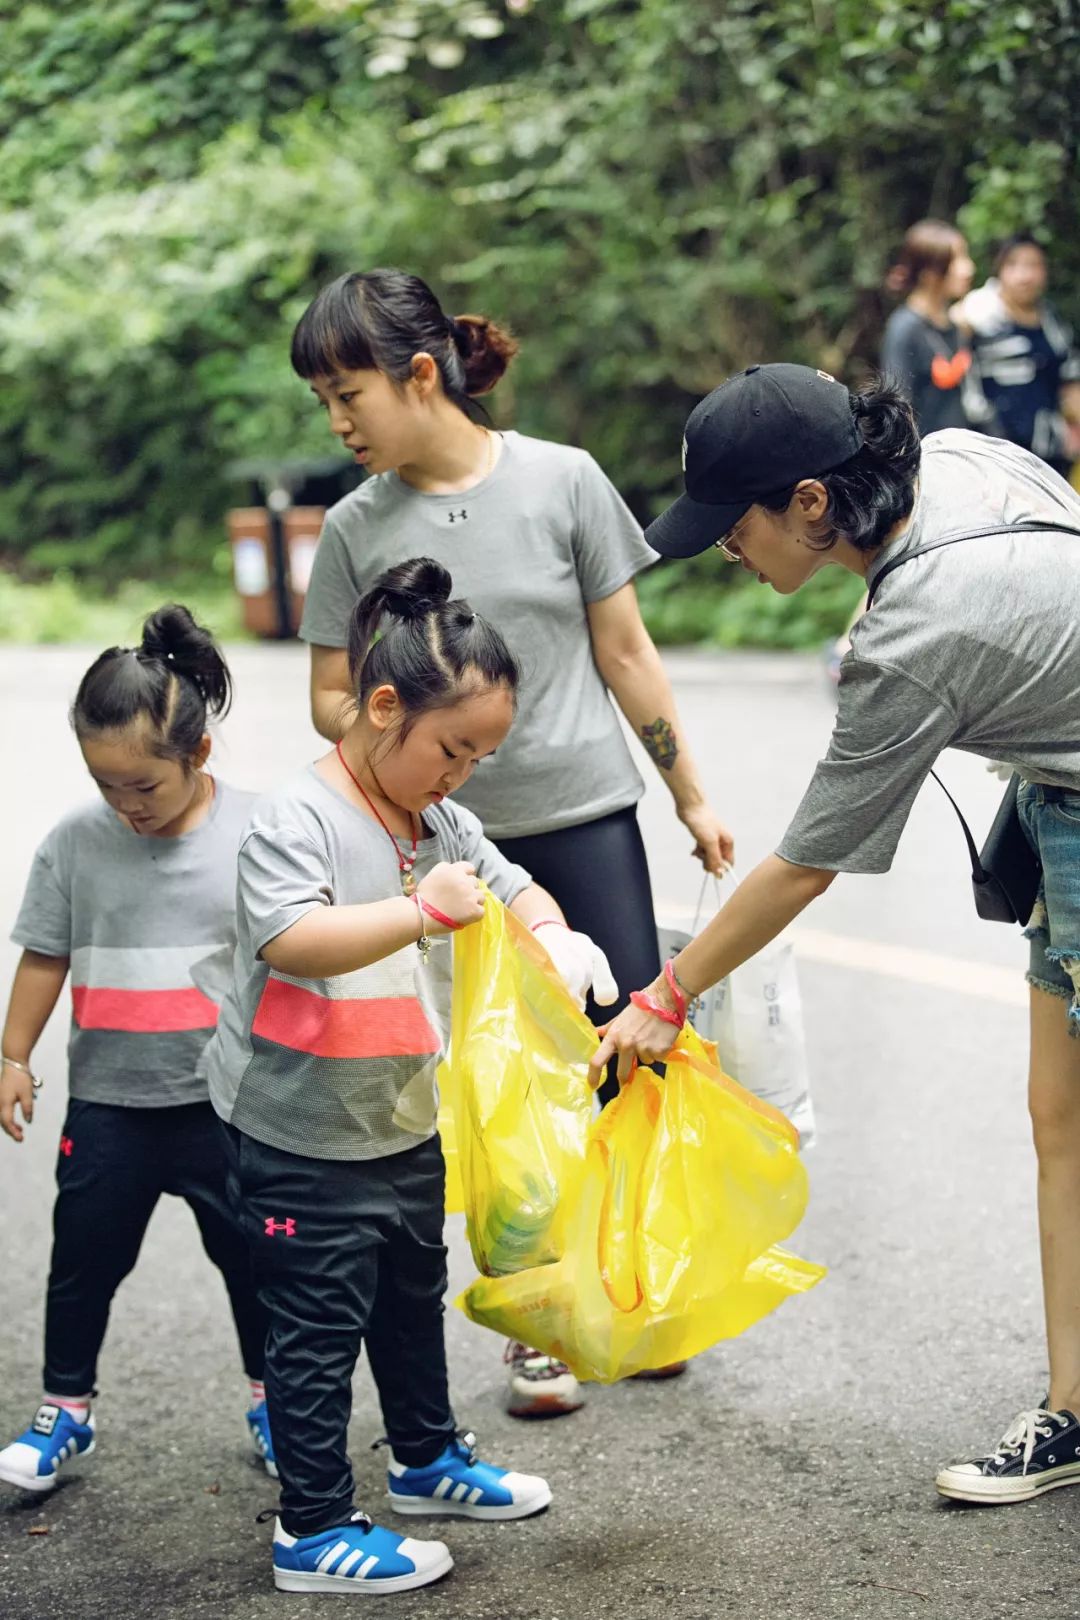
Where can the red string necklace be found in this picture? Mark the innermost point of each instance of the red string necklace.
(405, 862)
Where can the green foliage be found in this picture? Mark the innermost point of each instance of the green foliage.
(706, 600)
(63, 610)
(652, 192)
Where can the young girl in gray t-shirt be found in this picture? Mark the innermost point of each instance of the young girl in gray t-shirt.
(350, 878)
(134, 895)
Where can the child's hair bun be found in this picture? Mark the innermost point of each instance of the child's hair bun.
(172, 635)
(415, 588)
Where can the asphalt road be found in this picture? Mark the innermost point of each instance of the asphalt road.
(789, 1474)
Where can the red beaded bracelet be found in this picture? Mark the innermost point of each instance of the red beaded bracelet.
(439, 916)
(649, 1004)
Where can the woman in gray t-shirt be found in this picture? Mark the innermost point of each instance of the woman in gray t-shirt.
(975, 646)
(538, 539)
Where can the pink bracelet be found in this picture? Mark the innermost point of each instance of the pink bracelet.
(439, 916)
(676, 991)
(649, 1004)
(547, 922)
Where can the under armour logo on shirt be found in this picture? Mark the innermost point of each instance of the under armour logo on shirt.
(288, 1226)
(455, 516)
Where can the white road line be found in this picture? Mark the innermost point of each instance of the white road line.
(990, 981)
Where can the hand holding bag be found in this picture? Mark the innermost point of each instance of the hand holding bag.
(755, 1018)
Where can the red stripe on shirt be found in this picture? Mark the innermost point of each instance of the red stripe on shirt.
(142, 1012)
(301, 1019)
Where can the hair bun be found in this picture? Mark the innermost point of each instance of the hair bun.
(486, 350)
(415, 588)
(172, 635)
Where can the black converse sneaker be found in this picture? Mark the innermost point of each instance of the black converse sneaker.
(1039, 1452)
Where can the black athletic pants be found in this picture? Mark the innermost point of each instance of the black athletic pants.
(346, 1252)
(113, 1166)
(599, 875)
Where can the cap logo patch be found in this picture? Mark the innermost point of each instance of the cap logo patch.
(826, 376)
(685, 450)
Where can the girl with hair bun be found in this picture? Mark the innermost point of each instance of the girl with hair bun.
(132, 894)
(540, 541)
(351, 879)
(970, 550)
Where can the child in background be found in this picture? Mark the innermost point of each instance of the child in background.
(135, 893)
(350, 877)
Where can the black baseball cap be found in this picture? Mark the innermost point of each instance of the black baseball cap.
(761, 431)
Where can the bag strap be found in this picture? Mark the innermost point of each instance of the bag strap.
(978, 872)
(954, 539)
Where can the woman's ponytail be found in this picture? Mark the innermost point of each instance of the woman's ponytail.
(172, 681)
(486, 351)
(407, 633)
(889, 432)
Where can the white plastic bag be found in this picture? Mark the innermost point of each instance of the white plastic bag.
(755, 1018)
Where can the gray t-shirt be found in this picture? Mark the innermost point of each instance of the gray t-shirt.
(974, 646)
(530, 547)
(344, 1067)
(150, 927)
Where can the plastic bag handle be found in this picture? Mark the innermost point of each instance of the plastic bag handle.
(603, 1247)
(729, 876)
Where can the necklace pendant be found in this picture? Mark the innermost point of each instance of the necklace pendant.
(408, 880)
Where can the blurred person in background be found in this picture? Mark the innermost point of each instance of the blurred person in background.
(1027, 359)
(924, 353)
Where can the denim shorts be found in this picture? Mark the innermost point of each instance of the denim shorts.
(1050, 817)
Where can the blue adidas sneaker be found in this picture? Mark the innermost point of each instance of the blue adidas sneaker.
(357, 1556)
(458, 1483)
(259, 1423)
(36, 1457)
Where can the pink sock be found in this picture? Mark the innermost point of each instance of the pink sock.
(258, 1391)
(77, 1405)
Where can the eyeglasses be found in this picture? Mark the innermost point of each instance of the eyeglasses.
(723, 546)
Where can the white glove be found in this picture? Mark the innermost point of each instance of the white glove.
(580, 963)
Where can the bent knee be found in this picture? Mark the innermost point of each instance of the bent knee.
(1055, 1122)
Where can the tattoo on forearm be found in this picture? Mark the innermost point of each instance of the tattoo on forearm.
(660, 744)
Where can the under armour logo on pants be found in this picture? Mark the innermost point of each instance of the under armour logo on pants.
(288, 1226)
(66, 1145)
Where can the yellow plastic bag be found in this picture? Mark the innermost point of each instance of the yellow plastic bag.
(517, 1085)
(690, 1182)
(455, 1192)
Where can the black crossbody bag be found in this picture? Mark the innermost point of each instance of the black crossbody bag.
(1005, 873)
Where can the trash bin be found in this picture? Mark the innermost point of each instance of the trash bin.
(273, 545)
(303, 525)
(254, 570)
